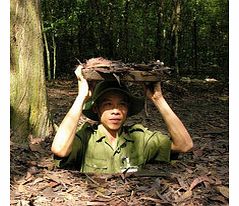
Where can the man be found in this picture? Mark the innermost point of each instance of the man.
(109, 146)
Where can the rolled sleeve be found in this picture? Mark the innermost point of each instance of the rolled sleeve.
(71, 161)
(158, 147)
(74, 159)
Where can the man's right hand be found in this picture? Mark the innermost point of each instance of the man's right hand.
(83, 86)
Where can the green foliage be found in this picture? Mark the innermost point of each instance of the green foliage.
(139, 31)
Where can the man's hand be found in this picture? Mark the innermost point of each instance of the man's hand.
(153, 91)
(63, 140)
(83, 86)
(181, 139)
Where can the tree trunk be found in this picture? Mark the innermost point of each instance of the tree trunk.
(195, 46)
(160, 39)
(177, 21)
(144, 52)
(48, 57)
(175, 30)
(29, 109)
(54, 56)
(125, 38)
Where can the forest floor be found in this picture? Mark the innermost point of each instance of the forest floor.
(200, 177)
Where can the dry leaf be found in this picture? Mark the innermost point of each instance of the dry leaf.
(48, 192)
(218, 198)
(24, 203)
(198, 180)
(53, 184)
(37, 180)
(21, 188)
(223, 190)
(36, 148)
(216, 180)
(198, 152)
(52, 177)
(182, 183)
(185, 196)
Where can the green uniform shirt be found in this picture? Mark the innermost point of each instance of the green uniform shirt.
(136, 145)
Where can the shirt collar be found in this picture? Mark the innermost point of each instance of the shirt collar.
(100, 133)
(123, 133)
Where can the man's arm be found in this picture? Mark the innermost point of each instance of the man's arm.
(181, 140)
(62, 143)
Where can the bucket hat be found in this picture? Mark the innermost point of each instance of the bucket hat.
(136, 104)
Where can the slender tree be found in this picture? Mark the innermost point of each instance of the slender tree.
(125, 38)
(160, 38)
(29, 109)
(175, 32)
(48, 56)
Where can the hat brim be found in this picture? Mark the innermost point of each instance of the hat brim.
(136, 104)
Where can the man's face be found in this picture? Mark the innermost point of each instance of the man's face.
(112, 110)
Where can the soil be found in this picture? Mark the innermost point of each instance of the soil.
(199, 177)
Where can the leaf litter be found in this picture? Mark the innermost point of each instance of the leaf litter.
(199, 177)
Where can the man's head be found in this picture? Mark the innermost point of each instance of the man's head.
(112, 109)
(120, 98)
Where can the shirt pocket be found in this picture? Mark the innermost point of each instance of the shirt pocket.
(93, 164)
(133, 159)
